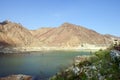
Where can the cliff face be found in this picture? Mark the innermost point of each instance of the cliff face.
(67, 35)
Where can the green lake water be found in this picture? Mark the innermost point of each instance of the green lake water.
(40, 65)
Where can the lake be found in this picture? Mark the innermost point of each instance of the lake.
(40, 65)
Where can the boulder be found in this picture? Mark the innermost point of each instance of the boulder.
(17, 77)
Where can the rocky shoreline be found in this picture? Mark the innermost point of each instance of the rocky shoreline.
(105, 65)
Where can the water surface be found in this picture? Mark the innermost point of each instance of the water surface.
(40, 65)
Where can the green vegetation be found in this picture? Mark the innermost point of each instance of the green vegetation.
(98, 67)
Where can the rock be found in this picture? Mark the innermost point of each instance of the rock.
(115, 56)
(76, 70)
(94, 67)
(17, 77)
(79, 59)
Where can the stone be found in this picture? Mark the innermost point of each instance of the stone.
(17, 77)
(115, 55)
(75, 69)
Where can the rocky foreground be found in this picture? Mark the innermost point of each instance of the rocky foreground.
(17, 77)
(105, 65)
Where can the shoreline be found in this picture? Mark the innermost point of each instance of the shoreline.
(40, 52)
(17, 50)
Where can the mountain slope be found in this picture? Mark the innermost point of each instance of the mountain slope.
(70, 35)
(18, 34)
(65, 36)
(5, 40)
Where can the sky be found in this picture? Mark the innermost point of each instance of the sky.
(103, 16)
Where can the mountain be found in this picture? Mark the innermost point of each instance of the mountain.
(15, 34)
(70, 35)
(65, 36)
(5, 40)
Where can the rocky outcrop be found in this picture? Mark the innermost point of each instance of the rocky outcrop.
(80, 59)
(17, 77)
(104, 65)
(115, 57)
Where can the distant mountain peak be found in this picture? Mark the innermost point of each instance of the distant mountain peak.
(68, 25)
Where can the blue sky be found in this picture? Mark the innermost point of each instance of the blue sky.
(102, 16)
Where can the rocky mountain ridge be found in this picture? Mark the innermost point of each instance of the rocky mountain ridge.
(67, 35)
